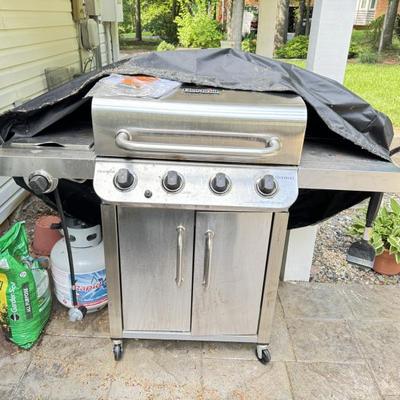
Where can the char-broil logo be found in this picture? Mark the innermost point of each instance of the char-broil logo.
(201, 91)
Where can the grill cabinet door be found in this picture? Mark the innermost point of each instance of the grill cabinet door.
(149, 240)
(230, 258)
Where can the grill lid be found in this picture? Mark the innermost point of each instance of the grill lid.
(196, 123)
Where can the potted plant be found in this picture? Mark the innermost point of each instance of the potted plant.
(385, 238)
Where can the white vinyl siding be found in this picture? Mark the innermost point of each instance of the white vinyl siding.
(365, 12)
(34, 35)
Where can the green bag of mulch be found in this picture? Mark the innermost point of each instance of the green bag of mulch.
(25, 299)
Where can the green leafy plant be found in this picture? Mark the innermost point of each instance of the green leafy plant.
(249, 43)
(165, 46)
(158, 18)
(354, 50)
(368, 57)
(197, 27)
(385, 231)
(298, 48)
(295, 48)
(375, 30)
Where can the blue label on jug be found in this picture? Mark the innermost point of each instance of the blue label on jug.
(91, 288)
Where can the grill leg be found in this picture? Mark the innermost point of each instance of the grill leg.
(271, 282)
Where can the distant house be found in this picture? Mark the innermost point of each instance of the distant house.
(368, 10)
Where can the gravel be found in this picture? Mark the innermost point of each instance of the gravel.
(29, 211)
(329, 262)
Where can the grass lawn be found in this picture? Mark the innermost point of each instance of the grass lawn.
(128, 42)
(379, 84)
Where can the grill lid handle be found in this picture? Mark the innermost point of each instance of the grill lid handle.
(124, 141)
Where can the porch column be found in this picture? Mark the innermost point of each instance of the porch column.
(267, 13)
(330, 36)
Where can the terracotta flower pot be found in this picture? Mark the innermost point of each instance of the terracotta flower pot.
(386, 264)
(44, 237)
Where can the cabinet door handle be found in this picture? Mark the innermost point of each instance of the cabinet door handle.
(207, 258)
(179, 256)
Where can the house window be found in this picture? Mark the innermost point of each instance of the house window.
(363, 4)
(372, 5)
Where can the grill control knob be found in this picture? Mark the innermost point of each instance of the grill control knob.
(39, 184)
(124, 179)
(220, 183)
(172, 181)
(267, 185)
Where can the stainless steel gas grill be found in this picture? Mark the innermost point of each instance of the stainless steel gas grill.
(194, 242)
(195, 189)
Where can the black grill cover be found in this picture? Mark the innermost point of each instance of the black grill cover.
(335, 114)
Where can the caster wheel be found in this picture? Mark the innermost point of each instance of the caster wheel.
(264, 357)
(117, 350)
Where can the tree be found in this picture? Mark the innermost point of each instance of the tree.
(300, 17)
(138, 21)
(158, 17)
(308, 24)
(282, 23)
(388, 25)
(236, 23)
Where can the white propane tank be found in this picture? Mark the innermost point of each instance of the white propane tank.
(90, 274)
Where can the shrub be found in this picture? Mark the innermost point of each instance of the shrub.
(296, 48)
(249, 43)
(354, 50)
(385, 230)
(199, 28)
(165, 46)
(368, 57)
(157, 18)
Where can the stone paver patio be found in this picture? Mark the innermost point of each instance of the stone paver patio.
(329, 342)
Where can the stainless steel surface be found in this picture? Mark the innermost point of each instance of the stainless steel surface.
(196, 193)
(179, 255)
(188, 336)
(58, 162)
(111, 255)
(337, 168)
(127, 141)
(209, 235)
(271, 281)
(147, 245)
(79, 139)
(321, 167)
(230, 303)
(235, 126)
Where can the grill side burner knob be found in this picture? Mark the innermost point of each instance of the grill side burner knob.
(39, 184)
(172, 181)
(267, 185)
(124, 179)
(220, 183)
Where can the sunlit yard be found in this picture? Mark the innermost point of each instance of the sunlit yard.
(379, 84)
